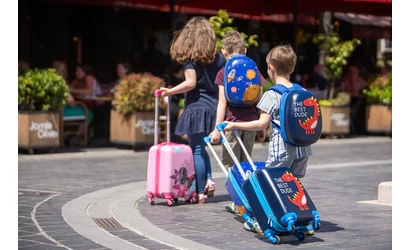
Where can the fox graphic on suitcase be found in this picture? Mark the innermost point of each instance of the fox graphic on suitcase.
(171, 170)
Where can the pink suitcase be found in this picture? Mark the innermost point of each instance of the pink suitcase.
(171, 170)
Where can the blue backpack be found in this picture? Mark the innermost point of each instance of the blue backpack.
(241, 81)
(299, 114)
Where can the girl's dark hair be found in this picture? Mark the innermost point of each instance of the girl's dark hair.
(86, 68)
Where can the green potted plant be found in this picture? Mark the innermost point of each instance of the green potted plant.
(221, 24)
(336, 54)
(41, 95)
(378, 95)
(335, 110)
(132, 115)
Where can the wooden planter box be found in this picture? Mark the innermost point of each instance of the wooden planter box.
(335, 120)
(38, 129)
(378, 118)
(138, 129)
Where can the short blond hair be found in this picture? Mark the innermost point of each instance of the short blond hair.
(233, 42)
(283, 58)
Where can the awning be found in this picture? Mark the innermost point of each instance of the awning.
(367, 26)
(261, 8)
(368, 20)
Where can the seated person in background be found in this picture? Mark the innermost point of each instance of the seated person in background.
(85, 83)
(317, 83)
(123, 69)
(23, 67)
(353, 84)
(70, 109)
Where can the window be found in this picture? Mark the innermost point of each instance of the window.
(385, 45)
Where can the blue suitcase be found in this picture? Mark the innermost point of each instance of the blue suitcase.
(235, 179)
(277, 200)
(280, 204)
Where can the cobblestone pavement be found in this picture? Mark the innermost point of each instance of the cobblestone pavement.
(343, 172)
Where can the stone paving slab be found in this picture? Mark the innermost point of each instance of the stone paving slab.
(72, 176)
(336, 193)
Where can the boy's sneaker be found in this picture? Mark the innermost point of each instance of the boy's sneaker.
(231, 208)
(255, 227)
(308, 230)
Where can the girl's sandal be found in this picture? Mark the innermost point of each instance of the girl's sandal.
(201, 198)
(210, 188)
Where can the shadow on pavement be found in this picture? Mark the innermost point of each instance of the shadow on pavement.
(219, 198)
(291, 240)
(328, 226)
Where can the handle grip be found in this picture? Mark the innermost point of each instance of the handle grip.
(158, 92)
(207, 139)
(220, 127)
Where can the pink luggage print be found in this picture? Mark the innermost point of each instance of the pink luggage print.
(171, 170)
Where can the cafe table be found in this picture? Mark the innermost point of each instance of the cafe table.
(106, 108)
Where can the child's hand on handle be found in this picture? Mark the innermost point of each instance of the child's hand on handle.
(165, 91)
(229, 126)
(216, 136)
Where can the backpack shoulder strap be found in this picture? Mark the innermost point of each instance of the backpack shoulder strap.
(279, 88)
(296, 86)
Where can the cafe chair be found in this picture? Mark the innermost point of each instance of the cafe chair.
(71, 124)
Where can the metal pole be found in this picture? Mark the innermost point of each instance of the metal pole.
(295, 24)
(172, 16)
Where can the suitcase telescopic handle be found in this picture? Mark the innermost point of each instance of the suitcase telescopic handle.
(238, 137)
(207, 140)
(157, 93)
(244, 149)
(220, 127)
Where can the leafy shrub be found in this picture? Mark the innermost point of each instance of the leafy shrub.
(221, 25)
(337, 53)
(135, 92)
(41, 90)
(379, 91)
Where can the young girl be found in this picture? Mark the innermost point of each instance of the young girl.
(195, 47)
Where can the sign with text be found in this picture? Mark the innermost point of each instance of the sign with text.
(39, 129)
(336, 120)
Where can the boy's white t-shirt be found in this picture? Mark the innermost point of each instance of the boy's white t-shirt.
(279, 150)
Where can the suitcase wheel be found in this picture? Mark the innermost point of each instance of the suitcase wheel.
(151, 201)
(175, 200)
(274, 239)
(300, 235)
(170, 202)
